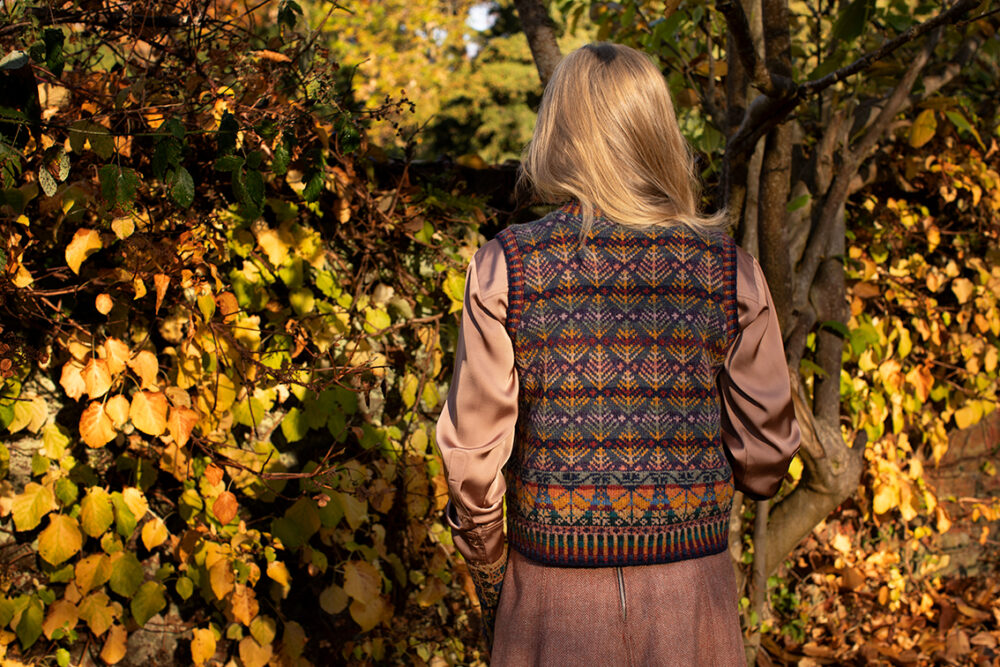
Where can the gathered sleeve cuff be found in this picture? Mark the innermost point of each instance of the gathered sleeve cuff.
(759, 428)
(475, 432)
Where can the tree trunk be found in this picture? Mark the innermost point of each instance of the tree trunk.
(541, 33)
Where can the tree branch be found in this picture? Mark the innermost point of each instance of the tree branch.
(823, 230)
(767, 111)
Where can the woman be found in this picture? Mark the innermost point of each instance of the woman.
(619, 373)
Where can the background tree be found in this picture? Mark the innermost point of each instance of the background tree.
(791, 102)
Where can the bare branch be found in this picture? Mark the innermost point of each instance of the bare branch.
(824, 227)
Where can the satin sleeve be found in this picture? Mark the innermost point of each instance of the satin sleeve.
(475, 432)
(759, 429)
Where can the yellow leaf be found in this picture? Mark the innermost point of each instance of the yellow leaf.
(72, 379)
(370, 614)
(243, 604)
(22, 277)
(96, 427)
(148, 412)
(886, 497)
(123, 227)
(136, 502)
(221, 578)
(139, 287)
(61, 615)
(61, 540)
(115, 646)
(84, 244)
(275, 245)
(963, 289)
(99, 612)
(145, 365)
(116, 408)
(96, 377)
(30, 413)
(104, 303)
(31, 505)
(182, 421)
(92, 571)
(175, 461)
(923, 128)
(116, 354)
(54, 441)
(263, 629)
(253, 654)
(333, 599)
(943, 522)
(96, 512)
(361, 580)
(154, 533)
(968, 414)
(160, 281)
(278, 572)
(202, 645)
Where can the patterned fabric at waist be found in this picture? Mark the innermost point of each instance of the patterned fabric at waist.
(602, 546)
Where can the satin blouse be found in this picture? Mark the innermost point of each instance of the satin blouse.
(475, 432)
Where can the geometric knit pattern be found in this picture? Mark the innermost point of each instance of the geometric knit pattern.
(618, 456)
(488, 580)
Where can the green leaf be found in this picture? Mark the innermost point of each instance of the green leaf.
(29, 628)
(100, 139)
(225, 137)
(837, 327)
(254, 188)
(125, 521)
(54, 59)
(958, 120)
(118, 185)
(46, 181)
(798, 202)
(185, 587)
(182, 187)
(852, 20)
(126, 574)
(294, 426)
(66, 491)
(282, 157)
(228, 163)
(148, 601)
(355, 511)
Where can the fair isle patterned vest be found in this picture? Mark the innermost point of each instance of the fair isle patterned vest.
(618, 456)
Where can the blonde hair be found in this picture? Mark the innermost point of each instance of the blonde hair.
(607, 136)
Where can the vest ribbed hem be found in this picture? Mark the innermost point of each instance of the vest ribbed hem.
(603, 546)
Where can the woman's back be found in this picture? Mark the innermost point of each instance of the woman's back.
(618, 456)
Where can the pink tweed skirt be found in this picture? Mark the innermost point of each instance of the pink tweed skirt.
(677, 614)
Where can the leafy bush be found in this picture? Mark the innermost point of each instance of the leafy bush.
(223, 347)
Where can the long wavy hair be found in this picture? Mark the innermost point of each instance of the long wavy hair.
(607, 136)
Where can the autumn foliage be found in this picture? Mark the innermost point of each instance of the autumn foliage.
(227, 326)
(223, 349)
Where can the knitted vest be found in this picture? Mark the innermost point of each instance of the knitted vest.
(618, 457)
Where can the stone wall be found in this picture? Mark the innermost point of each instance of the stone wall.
(969, 473)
